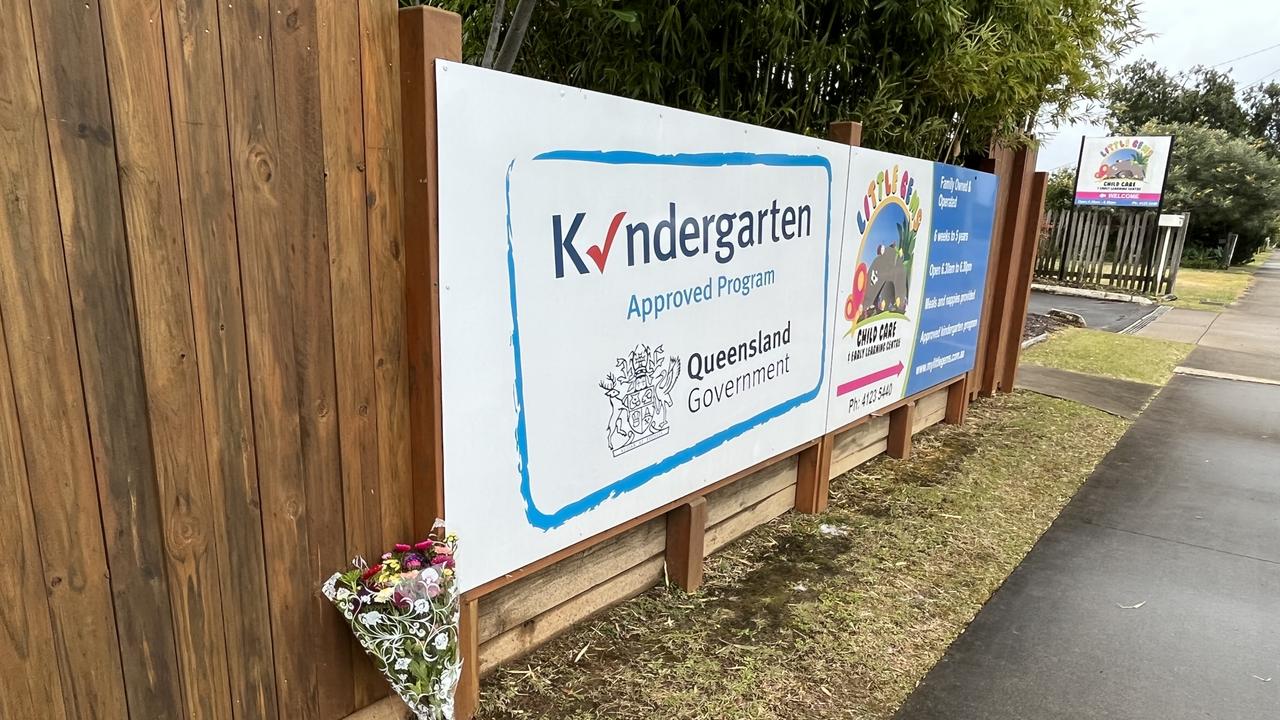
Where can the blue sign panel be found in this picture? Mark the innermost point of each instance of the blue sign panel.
(955, 276)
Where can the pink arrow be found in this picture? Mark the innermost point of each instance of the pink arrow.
(866, 380)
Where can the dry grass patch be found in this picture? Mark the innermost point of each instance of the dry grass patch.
(837, 615)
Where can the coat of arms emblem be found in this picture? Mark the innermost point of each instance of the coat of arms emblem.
(639, 393)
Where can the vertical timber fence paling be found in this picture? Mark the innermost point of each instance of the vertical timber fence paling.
(1151, 232)
(427, 34)
(813, 471)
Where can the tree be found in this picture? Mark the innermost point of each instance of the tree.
(1227, 183)
(1060, 193)
(505, 57)
(935, 78)
(1144, 92)
(1262, 106)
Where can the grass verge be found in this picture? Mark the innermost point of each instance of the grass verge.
(1126, 357)
(837, 615)
(1209, 289)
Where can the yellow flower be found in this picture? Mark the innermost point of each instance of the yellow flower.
(384, 594)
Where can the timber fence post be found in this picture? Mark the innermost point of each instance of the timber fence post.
(1021, 283)
(686, 543)
(1006, 268)
(900, 421)
(428, 34)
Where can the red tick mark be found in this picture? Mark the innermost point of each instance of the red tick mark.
(600, 257)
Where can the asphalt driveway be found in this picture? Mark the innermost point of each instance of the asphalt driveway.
(1109, 315)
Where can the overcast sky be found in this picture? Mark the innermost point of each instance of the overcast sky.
(1189, 33)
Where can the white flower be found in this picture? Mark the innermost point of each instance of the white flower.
(329, 585)
(371, 618)
(344, 594)
(402, 664)
(421, 606)
(442, 641)
(444, 687)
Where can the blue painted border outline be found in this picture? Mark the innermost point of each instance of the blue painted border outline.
(548, 521)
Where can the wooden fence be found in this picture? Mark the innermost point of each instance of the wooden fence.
(1122, 250)
(203, 379)
(218, 377)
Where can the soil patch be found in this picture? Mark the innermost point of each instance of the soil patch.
(1038, 325)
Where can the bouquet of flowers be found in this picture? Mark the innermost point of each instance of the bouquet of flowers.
(404, 613)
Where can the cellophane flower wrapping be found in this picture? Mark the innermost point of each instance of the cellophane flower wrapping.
(404, 612)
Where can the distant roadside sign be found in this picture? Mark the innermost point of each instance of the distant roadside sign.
(1123, 170)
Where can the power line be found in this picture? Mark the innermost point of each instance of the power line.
(1255, 52)
(1264, 77)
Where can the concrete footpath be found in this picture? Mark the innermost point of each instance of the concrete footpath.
(1124, 398)
(1156, 593)
(1243, 340)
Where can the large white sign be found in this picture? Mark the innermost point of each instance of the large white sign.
(635, 302)
(1123, 170)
